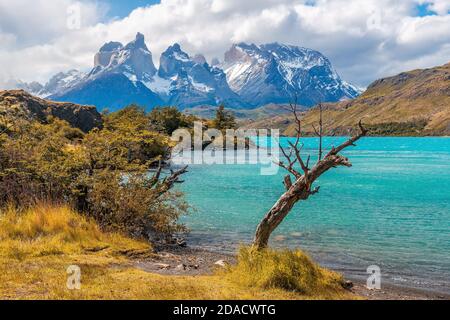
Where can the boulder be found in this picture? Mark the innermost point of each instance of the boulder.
(25, 105)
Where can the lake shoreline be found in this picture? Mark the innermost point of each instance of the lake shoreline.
(194, 261)
(391, 209)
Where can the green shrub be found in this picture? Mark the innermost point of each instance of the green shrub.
(410, 128)
(103, 174)
(169, 119)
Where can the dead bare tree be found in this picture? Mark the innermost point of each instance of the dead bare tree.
(302, 187)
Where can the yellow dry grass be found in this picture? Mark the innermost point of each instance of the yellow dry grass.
(37, 246)
(289, 270)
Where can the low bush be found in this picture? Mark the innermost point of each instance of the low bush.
(285, 269)
(410, 128)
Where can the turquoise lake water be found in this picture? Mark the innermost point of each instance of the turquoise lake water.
(391, 209)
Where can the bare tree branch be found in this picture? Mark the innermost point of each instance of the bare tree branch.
(296, 174)
(299, 159)
(307, 161)
(301, 188)
(350, 142)
(315, 191)
(157, 175)
(288, 157)
(168, 183)
(319, 132)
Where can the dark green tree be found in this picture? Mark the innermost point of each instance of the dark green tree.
(224, 119)
(169, 119)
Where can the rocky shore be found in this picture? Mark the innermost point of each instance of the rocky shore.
(187, 261)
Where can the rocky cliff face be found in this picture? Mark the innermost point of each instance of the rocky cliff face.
(192, 81)
(249, 77)
(276, 73)
(133, 60)
(118, 78)
(83, 117)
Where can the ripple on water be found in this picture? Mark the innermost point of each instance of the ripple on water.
(392, 208)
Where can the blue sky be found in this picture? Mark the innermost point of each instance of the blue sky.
(424, 10)
(121, 8)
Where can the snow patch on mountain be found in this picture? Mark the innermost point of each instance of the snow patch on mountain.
(60, 82)
(159, 85)
(278, 73)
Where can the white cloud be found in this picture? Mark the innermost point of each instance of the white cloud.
(37, 21)
(35, 38)
(441, 7)
(365, 40)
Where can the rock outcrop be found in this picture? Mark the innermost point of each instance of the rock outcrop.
(83, 117)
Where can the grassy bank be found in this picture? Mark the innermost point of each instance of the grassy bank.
(37, 247)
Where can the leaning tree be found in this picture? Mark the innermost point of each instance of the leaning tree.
(302, 187)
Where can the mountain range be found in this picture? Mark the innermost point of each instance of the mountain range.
(413, 103)
(250, 76)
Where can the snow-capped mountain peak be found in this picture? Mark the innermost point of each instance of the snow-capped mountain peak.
(199, 58)
(133, 60)
(103, 57)
(277, 73)
(181, 80)
(172, 61)
(64, 81)
(35, 88)
(251, 75)
(60, 82)
(194, 82)
(137, 43)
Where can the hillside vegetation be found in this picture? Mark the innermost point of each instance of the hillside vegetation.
(411, 103)
(415, 103)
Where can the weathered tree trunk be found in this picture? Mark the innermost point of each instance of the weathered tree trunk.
(300, 190)
(273, 218)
